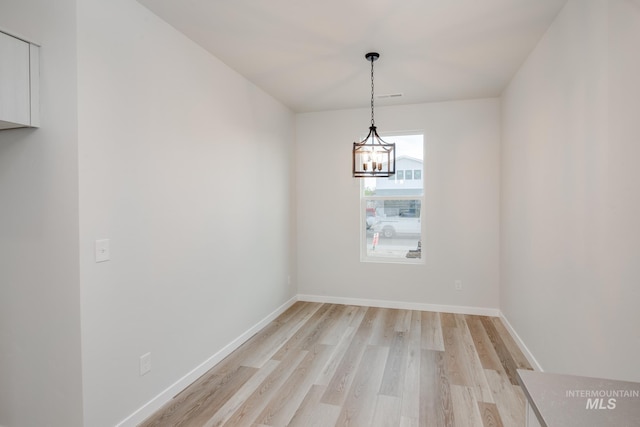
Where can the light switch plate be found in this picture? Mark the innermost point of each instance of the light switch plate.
(102, 250)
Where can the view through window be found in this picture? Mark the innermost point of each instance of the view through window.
(391, 208)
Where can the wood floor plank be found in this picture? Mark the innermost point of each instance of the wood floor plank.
(247, 413)
(269, 335)
(403, 321)
(324, 365)
(518, 356)
(506, 360)
(387, 412)
(307, 334)
(384, 327)
(431, 331)
(490, 415)
(448, 320)
(331, 327)
(258, 352)
(465, 406)
(435, 391)
(234, 403)
(510, 406)
(409, 422)
(393, 379)
(360, 402)
(336, 359)
(283, 406)
(472, 362)
(313, 413)
(212, 396)
(486, 352)
(457, 368)
(411, 389)
(345, 371)
(349, 318)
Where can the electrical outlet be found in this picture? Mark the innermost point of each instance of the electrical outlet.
(145, 364)
(102, 250)
(458, 285)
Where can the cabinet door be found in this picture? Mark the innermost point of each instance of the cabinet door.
(15, 98)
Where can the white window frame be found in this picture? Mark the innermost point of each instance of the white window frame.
(364, 257)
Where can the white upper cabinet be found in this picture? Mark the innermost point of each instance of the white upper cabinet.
(19, 77)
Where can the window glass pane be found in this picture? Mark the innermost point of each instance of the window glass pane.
(391, 207)
(393, 228)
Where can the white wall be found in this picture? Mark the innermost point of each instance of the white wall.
(184, 166)
(570, 200)
(40, 372)
(461, 171)
(165, 158)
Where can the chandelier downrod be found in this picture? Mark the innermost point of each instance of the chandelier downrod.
(372, 57)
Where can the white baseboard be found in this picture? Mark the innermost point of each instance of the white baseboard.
(157, 402)
(481, 311)
(525, 350)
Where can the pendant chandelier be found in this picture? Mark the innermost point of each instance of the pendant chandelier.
(372, 157)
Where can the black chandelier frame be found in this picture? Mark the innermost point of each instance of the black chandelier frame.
(373, 157)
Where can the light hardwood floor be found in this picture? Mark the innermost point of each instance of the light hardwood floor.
(338, 365)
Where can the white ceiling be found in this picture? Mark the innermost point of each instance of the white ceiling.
(309, 54)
